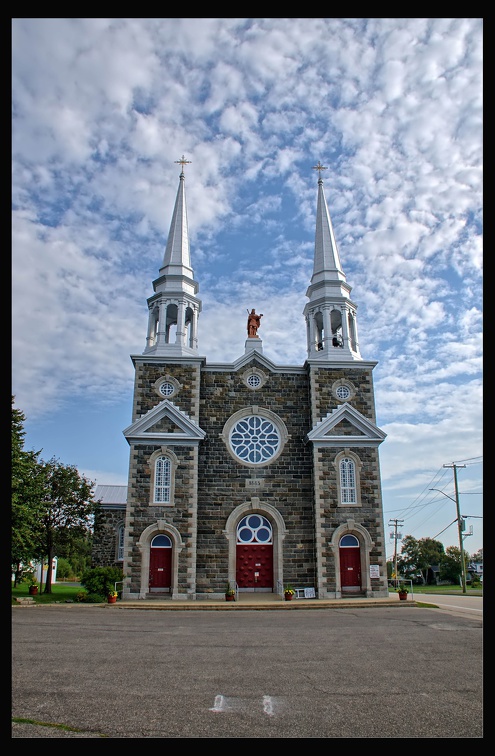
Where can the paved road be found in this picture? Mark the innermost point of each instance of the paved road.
(460, 605)
(386, 672)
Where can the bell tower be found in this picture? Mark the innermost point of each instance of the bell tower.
(174, 308)
(331, 323)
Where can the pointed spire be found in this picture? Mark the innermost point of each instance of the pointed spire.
(327, 259)
(330, 314)
(174, 308)
(177, 253)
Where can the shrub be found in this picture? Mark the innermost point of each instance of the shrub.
(101, 580)
(93, 598)
(64, 569)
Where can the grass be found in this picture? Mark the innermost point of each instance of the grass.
(446, 590)
(67, 592)
(61, 592)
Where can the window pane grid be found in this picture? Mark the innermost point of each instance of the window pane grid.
(347, 481)
(162, 480)
(120, 550)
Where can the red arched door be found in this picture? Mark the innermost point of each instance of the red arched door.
(160, 564)
(350, 564)
(254, 554)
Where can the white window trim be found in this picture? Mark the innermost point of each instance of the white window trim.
(357, 472)
(163, 452)
(267, 415)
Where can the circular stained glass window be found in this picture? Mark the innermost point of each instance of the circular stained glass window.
(254, 529)
(254, 439)
(254, 381)
(167, 388)
(343, 392)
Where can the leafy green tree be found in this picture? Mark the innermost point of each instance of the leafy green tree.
(76, 547)
(67, 506)
(27, 493)
(450, 564)
(417, 557)
(477, 558)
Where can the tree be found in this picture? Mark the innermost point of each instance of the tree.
(417, 556)
(27, 493)
(450, 564)
(477, 558)
(68, 508)
(76, 548)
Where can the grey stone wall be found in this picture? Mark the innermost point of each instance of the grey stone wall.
(286, 483)
(105, 535)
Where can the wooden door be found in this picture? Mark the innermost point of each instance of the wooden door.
(350, 567)
(254, 566)
(160, 569)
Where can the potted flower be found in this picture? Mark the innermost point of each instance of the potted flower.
(229, 593)
(289, 593)
(33, 584)
(112, 597)
(402, 590)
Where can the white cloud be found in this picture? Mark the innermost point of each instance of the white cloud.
(102, 109)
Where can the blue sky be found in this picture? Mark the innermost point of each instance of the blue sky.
(102, 109)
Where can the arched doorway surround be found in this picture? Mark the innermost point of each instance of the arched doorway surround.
(144, 546)
(365, 546)
(255, 506)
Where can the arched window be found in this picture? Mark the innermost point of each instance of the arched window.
(163, 479)
(254, 529)
(161, 542)
(163, 464)
(349, 542)
(347, 470)
(120, 543)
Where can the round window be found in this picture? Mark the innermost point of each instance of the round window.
(254, 381)
(254, 439)
(343, 392)
(167, 388)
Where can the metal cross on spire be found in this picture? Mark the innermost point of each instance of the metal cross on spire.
(319, 167)
(183, 162)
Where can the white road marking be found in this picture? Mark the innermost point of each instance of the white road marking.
(223, 704)
(219, 704)
(268, 705)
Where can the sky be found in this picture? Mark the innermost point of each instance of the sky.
(102, 110)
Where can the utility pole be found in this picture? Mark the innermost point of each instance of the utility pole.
(459, 525)
(395, 523)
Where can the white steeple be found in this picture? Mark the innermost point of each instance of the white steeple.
(331, 324)
(174, 308)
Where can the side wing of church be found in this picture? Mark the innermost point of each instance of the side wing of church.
(251, 474)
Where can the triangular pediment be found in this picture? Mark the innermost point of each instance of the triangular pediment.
(165, 423)
(258, 360)
(346, 426)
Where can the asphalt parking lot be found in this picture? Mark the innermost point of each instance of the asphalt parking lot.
(90, 672)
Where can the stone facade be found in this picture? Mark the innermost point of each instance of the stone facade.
(251, 473)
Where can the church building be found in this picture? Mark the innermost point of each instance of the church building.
(250, 473)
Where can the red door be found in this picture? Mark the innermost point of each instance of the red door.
(350, 568)
(160, 569)
(254, 566)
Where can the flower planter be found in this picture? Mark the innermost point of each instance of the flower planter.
(229, 598)
(288, 596)
(112, 599)
(33, 590)
(403, 596)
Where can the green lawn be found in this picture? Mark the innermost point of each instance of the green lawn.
(62, 592)
(447, 590)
